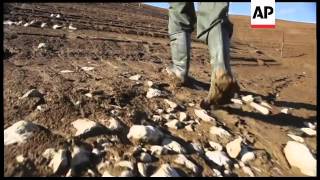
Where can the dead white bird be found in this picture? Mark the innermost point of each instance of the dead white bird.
(191, 104)
(43, 25)
(173, 105)
(142, 168)
(32, 22)
(159, 111)
(145, 133)
(215, 146)
(88, 95)
(20, 159)
(299, 155)
(87, 68)
(260, 108)
(296, 138)
(203, 115)
(236, 101)
(133, 78)
(84, 126)
(218, 157)
(150, 83)
(248, 98)
(174, 124)
(66, 71)
(26, 25)
(309, 131)
(8, 22)
(19, 23)
(58, 16)
(265, 104)
(219, 131)
(310, 125)
(153, 93)
(52, 15)
(19, 132)
(72, 28)
(31, 93)
(59, 160)
(184, 161)
(285, 110)
(41, 45)
(56, 26)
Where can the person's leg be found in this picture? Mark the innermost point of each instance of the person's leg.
(215, 29)
(181, 24)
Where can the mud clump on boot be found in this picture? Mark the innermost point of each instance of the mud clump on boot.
(223, 87)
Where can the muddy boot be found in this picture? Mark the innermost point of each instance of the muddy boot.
(223, 84)
(180, 52)
(222, 88)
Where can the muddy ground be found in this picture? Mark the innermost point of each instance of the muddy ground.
(121, 40)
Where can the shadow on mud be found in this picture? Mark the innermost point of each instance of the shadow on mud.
(295, 105)
(197, 85)
(277, 119)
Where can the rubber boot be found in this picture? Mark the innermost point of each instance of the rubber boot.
(223, 84)
(180, 44)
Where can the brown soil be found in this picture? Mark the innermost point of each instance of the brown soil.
(120, 40)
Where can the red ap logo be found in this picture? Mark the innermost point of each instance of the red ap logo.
(263, 14)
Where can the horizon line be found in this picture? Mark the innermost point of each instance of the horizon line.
(308, 22)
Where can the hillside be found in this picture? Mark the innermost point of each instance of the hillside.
(86, 74)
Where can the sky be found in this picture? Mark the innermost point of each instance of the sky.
(291, 11)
